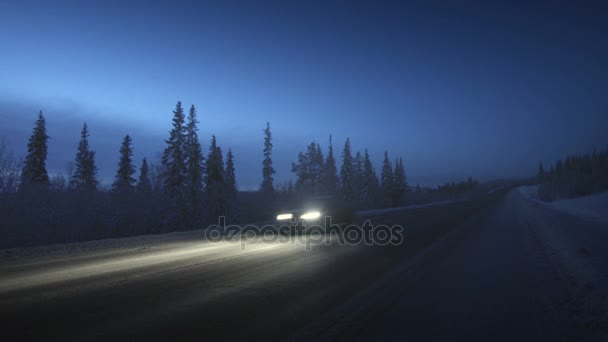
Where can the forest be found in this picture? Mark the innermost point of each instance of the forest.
(188, 189)
(576, 175)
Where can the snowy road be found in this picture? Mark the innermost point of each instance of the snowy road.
(522, 272)
(509, 270)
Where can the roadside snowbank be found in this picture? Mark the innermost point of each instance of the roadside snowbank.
(529, 192)
(592, 207)
(386, 211)
(101, 247)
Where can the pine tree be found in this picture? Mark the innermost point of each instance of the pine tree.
(195, 160)
(221, 169)
(358, 176)
(214, 176)
(399, 182)
(305, 181)
(330, 172)
(34, 168)
(267, 169)
(541, 172)
(317, 162)
(346, 172)
(143, 184)
(370, 179)
(174, 158)
(85, 169)
(230, 176)
(309, 169)
(470, 183)
(215, 181)
(124, 180)
(290, 187)
(387, 178)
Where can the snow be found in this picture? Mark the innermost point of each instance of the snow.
(529, 192)
(386, 211)
(592, 207)
(58, 252)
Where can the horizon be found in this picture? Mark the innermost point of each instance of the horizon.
(485, 92)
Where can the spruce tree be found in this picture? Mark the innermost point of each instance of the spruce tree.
(230, 176)
(195, 161)
(317, 163)
(541, 172)
(300, 168)
(221, 168)
(370, 179)
(309, 169)
(330, 172)
(215, 181)
(267, 169)
(346, 172)
(399, 182)
(214, 176)
(290, 187)
(124, 180)
(174, 158)
(358, 176)
(403, 175)
(143, 184)
(387, 179)
(34, 168)
(85, 169)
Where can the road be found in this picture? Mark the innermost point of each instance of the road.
(508, 270)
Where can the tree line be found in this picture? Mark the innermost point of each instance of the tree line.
(188, 189)
(576, 175)
(183, 192)
(356, 182)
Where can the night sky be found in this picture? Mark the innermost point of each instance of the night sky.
(457, 90)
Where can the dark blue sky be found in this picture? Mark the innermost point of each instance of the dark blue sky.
(458, 89)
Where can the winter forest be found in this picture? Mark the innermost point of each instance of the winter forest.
(576, 175)
(188, 189)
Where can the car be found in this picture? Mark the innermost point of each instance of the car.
(318, 211)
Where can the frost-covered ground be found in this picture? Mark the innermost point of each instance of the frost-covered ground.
(96, 248)
(144, 243)
(388, 211)
(592, 207)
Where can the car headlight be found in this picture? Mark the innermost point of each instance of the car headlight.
(311, 215)
(282, 217)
